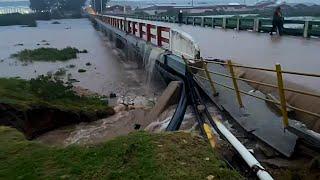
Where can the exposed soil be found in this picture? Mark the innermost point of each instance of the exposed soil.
(38, 120)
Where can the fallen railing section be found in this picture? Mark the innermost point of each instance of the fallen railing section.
(282, 103)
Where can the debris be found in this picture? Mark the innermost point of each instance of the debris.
(82, 70)
(88, 64)
(19, 44)
(137, 126)
(55, 22)
(71, 66)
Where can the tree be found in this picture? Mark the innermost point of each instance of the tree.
(39, 5)
(64, 5)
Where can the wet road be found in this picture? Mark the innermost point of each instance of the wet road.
(258, 49)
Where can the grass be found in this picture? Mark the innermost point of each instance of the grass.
(45, 92)
(139, 155)
(47, 54)
(17, 19)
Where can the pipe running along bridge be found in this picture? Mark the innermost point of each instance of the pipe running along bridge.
(251, 76)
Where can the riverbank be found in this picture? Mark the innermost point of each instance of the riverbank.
(17, 19)
(139, 155)
(43, 103)
(48, 54)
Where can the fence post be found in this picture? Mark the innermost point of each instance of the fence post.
(306, 29)
(212, 21)
(224, 22)
(215, 93)
(235, 85)
(282, 96)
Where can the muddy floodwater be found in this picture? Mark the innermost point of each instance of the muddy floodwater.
(109, 71)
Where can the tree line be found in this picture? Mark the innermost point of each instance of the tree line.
(56, 5)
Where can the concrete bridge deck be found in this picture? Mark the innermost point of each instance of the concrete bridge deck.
(257, 49)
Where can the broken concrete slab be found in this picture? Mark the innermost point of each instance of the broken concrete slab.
(169, 97)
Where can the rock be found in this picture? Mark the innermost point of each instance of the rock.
(210, 177)
(207, 158)
(82, 70)
(112, 95)
(267, 151)
(71, 66)
(88, 64)
(137, 126)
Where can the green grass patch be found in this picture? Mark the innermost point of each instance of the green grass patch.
(17, 19)
(46, 92)
(139, 155)
(47, 54)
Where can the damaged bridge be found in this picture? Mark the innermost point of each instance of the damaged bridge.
(260, 99)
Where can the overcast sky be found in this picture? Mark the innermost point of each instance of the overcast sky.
(219, 1)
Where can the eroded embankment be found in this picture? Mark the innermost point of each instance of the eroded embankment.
(139, 155)
(38, 105)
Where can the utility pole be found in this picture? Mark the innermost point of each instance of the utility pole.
(94, 5)
(101, 5)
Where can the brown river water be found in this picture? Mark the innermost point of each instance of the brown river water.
(109, 72)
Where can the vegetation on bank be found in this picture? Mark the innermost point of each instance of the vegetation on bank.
(48, 54)
(17, 19)
(48, 93)
(139, 155)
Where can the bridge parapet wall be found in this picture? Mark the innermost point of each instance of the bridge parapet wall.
(176, 41)
(291, 27)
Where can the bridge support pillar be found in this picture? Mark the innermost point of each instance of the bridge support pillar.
(202, 22)
(224, 22)
(256, 25)
(212, 23)
(306, 29)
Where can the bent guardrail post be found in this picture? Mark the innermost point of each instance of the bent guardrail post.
(235, 84)
(215, 93)
(282, 96)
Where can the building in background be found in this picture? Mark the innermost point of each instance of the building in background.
(10, 6)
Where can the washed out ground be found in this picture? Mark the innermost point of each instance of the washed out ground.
(138, 156)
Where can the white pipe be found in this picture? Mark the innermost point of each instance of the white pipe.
(245, 154)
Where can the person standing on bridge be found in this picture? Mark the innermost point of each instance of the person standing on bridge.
(180, 17)
(277, 22)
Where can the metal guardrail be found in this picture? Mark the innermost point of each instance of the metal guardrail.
(280, 85)
(291, 27)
